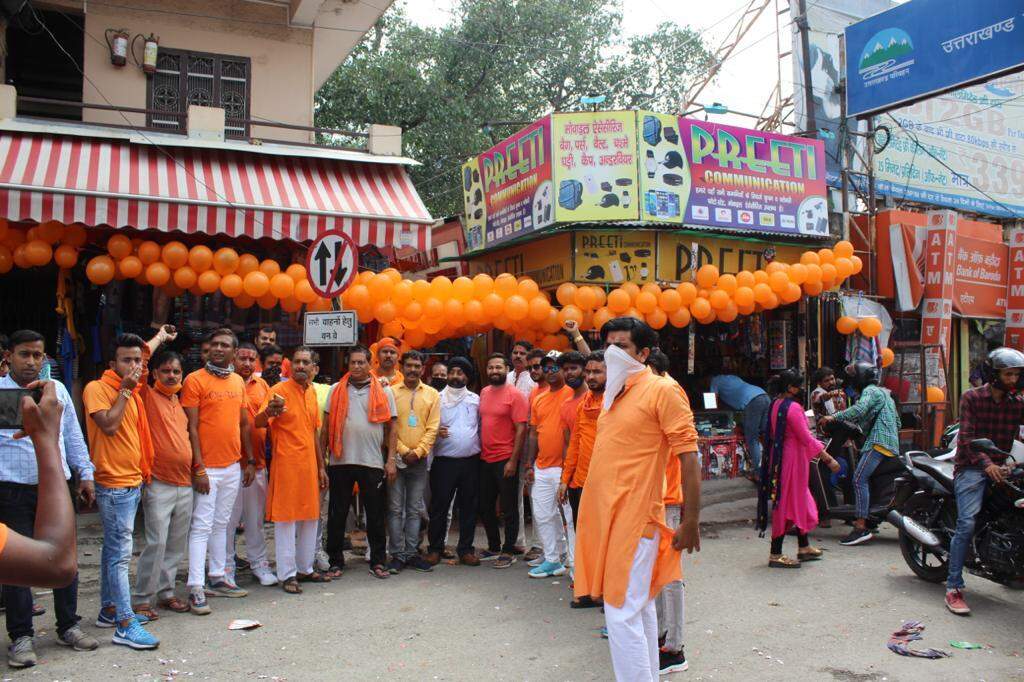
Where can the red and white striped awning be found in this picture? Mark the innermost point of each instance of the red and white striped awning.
(213, 191)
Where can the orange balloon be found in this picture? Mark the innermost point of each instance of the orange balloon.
(570, 312)
(846, 325)
(652, 288)
(304, 292)
(632, 290)
(719, 299)
(810, 258)
(100, 270)
(355, 297)
(934, 394)
(679, 318)
(762, 293)
(283, 286)
(814, 274)
(119, 246)
(19, 257)
(826, 256)
(760, 277)
(247, 263)
(707, 276)
(267, 301)
(174, 255)
(813, 288)
(586, 298)
(225, 261)
(74, 235)
(646, 302)
(798, 273)
(844, 267)
(454, 316)
(618, 301)
(297, 271)
(185, 277)
(670, 300)
(269, 268)
(482, 285)
(365, 276)
(319, 305)
(412, 312)
(601, 316)
(243, 301)
(257, 284)
(745, 279)
(778, 281)
(462, 289)
(857, 263)
(474, 310)
(420, 290)
(792, 293)
(434, 309)
(728, 314)
(291, 305)
(415, 338)
(634, 313)
(130, 267)
(14, 237)
(776, 266)
(38, 252)
(744, 296)
(66, 256)
(149, 252)
(687, 292)
(385, 311)
(829, 274)
(773, 302)
(158, 274)
(394, 275)
(888, 357)
(566, 293)
(728, 284)
(700, 308)
(380, 287)
(551, 325)
(231, 285)
(870, 327)
(656, 319)
(516, 308)
(843, 249)
(441, 287)
(394, 329)
(200, 258)
(208, 282)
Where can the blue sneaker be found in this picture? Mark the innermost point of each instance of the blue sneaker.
(548, 569)
(604, 633)
(135, 636)
(105, 621)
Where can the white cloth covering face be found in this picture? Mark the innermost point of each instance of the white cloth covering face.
(619, 367)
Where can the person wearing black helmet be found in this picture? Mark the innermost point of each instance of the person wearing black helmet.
(988, 411)
(875, 412)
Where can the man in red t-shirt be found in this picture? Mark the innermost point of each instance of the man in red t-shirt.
(503, 416)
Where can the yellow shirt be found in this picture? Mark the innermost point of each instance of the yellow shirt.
(417, 434)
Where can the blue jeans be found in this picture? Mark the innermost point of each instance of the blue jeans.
(405, 504)
(969, 485)
(869, 461)
(117, 513)
(754, 415)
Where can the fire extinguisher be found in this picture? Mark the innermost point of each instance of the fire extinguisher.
(150, 47)
(117, 41)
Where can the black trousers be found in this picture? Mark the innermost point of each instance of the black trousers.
(575, 495)
(18, 511)
(373, 495)
(449, 475)
(494, 487)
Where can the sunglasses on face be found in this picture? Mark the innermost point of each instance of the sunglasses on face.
(534, 366)
(550, 369)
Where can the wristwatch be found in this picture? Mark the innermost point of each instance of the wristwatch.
(126, 394)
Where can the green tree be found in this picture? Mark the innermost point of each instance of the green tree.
(501, 60)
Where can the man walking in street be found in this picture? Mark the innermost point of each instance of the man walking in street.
(503, 417)
(167, 499)
(220, 436)
(251, 502)
(545, 447)
(360, 437)
(122, 451)
(625, 553)
(297, 470)
(19, 480)
(456, 466)
(419, 416)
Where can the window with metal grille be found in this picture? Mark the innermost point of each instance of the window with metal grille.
(210, 80)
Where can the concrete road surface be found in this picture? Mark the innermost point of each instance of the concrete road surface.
(828, 620)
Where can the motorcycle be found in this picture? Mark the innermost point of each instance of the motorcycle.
(927, 522)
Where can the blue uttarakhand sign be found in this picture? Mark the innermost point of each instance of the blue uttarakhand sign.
(924, 47)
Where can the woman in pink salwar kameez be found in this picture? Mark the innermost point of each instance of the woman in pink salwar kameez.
(785, 469)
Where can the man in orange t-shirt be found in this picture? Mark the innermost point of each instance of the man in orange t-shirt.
(297, 470)
(121, 450)
(251, 503)
(545, 445)
(624, 551)
(387, 371)
(218, 426)
(582, 434)
(167, 498)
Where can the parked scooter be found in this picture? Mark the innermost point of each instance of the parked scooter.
(927, 522)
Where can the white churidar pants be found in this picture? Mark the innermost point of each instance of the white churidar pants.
(250, 507)
(633, 627)
(295, 547)
(553, 522)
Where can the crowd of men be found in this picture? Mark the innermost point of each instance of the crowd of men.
(251, 437)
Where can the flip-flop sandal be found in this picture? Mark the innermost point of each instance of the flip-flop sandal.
(291, 586)
(173, 604)
(584, 603)
(782, 561)
(313, 577)
(144, 610)
(334, 572)
(379, 571)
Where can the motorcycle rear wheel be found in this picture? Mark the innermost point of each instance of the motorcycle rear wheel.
(925, 563)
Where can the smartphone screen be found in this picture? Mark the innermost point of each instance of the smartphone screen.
(10, 406)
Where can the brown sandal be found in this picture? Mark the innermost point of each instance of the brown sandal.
(291, 586)
(378, 571)
(145, 610)
(782, 561)
(173, 604)
(334, 572)
(809, 554)
(313, 577)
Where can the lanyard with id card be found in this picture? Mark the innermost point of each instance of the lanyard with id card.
(413, 422)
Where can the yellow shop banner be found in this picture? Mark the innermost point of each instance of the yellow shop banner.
(613, 257)
(595, 165)
(546, 260)
(729, 255)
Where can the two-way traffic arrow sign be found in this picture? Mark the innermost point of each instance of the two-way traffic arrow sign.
(331, 263)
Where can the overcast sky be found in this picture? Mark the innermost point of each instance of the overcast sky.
(746, 80)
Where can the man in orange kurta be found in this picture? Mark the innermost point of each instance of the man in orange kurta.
(297, 473)
(624, 551)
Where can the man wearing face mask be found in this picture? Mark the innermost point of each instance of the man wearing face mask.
(456, 466)
(625, 553)
(545, 446)
(438, 376)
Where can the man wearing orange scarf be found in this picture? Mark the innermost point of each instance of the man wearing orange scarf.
(122, 451)
(361, 426)
(387, 363)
